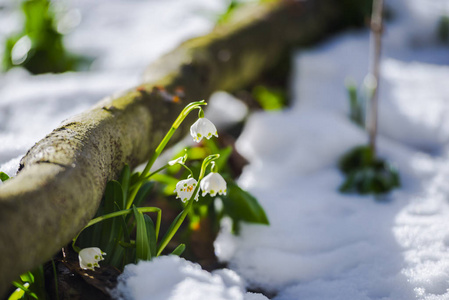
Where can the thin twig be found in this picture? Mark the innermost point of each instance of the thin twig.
(376, 45)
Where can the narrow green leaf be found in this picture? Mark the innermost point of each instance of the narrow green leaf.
(179, 250)
(125, 178)
(170, 228)
(151, 233)
(241, 205)
(17, 294)
(142, 245)
(143, 192)
(38, 286)
(25, 289)
(113, 193)
(111, 227)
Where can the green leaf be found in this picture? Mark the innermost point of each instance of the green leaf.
(27, 277)
(241, 205)
(111, 227)
(179, 250)
(142, 245)
(113, 194)
(17, 294)
(168, 180)
(143, 192)
(38, 286)
(134, 179)
(4, 176)
(125, 178)
(120, 256)
(151, 234)
(170, 228)
(25, 290)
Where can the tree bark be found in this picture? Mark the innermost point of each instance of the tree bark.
(63, 176)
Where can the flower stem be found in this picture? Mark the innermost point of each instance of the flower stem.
(185, 112)
(186, 210)
(175, 228)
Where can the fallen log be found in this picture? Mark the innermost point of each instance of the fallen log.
(63, 176)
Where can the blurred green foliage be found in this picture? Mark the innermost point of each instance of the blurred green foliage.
(224, 17)
(356, 104)
(270, 98)
(443, 29)
(3, 176)
(30, 286)
(39, 47)
(366, 174)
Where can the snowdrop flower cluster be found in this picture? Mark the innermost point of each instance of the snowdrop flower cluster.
(89, 258)
(187, 190)
(213, 183)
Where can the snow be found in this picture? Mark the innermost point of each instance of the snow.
(171, 277)
(321, 244)
(325, 245)
(128, 35)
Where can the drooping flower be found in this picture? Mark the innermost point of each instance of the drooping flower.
(179, 160)
(185, 188)
(89, 258)
(213, 183)
(203, 127)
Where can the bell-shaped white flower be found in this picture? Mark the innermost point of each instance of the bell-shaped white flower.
(89, 258)
(213, 183)
(185, 188)
(203, 128)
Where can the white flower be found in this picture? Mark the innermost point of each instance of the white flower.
(179, 160)
(202, 128)
(213, 183)
(89, 258)
(185, 189)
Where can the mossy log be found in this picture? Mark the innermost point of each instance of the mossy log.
(62, 177)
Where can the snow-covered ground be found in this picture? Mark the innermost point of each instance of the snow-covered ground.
(122, 36)
(321, 244)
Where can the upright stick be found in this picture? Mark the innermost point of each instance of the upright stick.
(376, 45)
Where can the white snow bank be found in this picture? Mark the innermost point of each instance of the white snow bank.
(171, 277)
(325, 245)
(321, 244)
(122, 36)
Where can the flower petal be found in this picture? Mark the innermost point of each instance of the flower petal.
(185, 188)
(89, 257)
(203, 127)
(213, 184)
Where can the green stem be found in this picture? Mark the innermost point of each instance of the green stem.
(185, 112)
(117, 214)
(175, 228)
(186, 210)
(55, 278)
